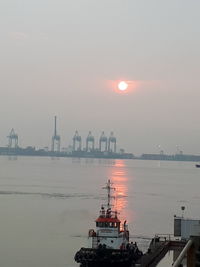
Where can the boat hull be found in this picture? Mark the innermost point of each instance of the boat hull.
(107, 257)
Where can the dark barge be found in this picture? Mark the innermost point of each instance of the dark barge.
(107, 257)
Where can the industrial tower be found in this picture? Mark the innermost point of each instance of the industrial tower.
(55, 144)
(76, 139)
(12, 139)
(103, 140)
(90, 140)
(112, 143)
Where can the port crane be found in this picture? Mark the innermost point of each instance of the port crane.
(103, 140)
(112, 143)
(77, 140)
(90, 142)
(12, 139)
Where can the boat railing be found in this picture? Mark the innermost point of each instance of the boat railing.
(160, 239)
(164, 237)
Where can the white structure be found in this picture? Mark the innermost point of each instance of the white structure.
(185, 228)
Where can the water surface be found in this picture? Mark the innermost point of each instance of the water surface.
(47, 205)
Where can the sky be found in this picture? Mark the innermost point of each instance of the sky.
(65, 57)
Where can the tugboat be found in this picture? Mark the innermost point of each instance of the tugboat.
(109, 244)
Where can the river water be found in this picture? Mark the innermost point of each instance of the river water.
(47, 205)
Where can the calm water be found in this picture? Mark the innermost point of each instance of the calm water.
(48, 205)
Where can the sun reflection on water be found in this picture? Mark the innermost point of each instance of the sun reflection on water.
(119, 177)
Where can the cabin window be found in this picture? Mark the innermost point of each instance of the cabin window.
(99, 224)
(107, 224)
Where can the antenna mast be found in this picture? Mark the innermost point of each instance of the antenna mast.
(108, 187)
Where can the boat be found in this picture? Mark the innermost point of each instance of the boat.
(108, 244)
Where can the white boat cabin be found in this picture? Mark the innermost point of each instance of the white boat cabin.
(109, 232)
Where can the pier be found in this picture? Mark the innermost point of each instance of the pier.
(188, 250)
(157, 250)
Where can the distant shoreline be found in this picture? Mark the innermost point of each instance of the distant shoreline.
(31, 151)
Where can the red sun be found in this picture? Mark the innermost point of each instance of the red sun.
(122, 86)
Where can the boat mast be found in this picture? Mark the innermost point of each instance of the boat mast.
(108, 187)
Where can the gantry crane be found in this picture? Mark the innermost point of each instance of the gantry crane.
(76, 139)
(90, 140)
(12, 139)
(103, 140)
(112, 141)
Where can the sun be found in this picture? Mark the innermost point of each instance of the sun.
(122, 86)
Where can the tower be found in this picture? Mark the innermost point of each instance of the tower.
(55, 143)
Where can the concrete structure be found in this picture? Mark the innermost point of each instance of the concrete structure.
(184, 228)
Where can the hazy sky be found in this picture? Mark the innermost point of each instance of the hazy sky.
(64, 57)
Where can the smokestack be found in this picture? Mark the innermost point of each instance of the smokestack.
(55, 127)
